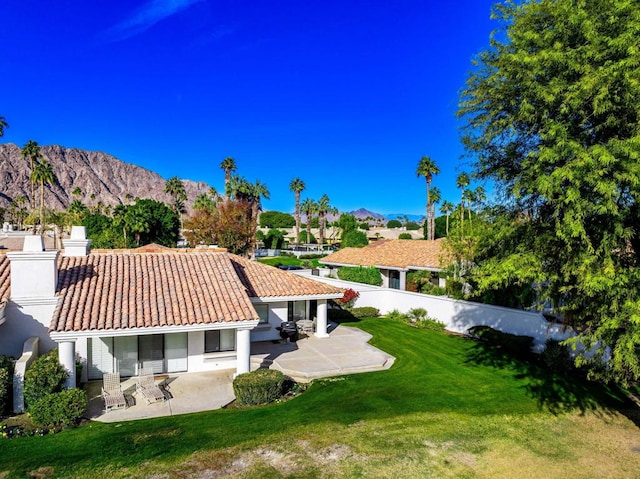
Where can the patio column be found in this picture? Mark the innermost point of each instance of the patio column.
(321, 326)
(243, 350)
(403, 281)
(67, 358)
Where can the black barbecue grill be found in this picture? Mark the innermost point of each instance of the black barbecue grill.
(288, 330)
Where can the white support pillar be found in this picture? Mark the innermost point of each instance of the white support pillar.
(67, 358)
(403, 281)
(321, 325)
(308, 310)
(243, 351)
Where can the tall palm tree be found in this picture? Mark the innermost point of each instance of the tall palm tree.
(259, 191)
(436, 196)
(446, 209)
(175, 187)
(229, 166)
(323, 208)
(297, 186)
(43, 173)
(3, 125)
(462, 182)
(480, 197)
(308, 207)
(31, 153)
(428, 168)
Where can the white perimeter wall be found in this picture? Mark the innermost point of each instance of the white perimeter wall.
(458, 316)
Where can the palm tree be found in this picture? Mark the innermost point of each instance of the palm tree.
(446, 209)
(229, 166)
(175, 187)
(308, 207)
(436, 196)
(462, 182)
(428, 168)
(480, 197)
(323, 208)
(43, 173)
(31, 153)
(297, 186)
(3, 125)
(258, 191)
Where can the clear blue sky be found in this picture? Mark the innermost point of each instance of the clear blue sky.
(345, 94)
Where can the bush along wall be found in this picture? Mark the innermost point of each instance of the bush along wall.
(360, 274)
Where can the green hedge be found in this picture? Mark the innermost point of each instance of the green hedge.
(258, 387)
(360, 274)
(6, 383)
(59, 409)
(365, 312)
(45, 376)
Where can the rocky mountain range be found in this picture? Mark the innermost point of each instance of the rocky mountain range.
(101, 177)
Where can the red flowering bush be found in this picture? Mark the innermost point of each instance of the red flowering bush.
(349, 298)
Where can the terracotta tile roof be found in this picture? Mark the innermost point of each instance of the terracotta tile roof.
(402, 254)
(134, 290)
(5, 283)
(266, 281)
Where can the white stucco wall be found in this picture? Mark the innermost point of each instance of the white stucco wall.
(458, 316)
(198, 360)
(277, 314)
(25, 321)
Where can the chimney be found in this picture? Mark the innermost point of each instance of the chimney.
(34, 271)
(78, 244)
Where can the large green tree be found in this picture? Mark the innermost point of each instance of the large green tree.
(552, 114)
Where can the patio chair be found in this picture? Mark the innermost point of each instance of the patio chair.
(146, 385)
(112, 392)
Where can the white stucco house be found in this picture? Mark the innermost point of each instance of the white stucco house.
(168, 309)
(394, 258)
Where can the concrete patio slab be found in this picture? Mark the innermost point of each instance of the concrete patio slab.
(185, 392)
(345, 351)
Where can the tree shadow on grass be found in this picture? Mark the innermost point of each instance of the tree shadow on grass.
(555, 393)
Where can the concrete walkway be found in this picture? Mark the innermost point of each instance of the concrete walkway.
(345, 351)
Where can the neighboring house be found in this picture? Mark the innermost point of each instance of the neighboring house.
(394, 259)
(167, 309)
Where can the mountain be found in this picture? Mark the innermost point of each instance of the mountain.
(96, 173)
(364, 213)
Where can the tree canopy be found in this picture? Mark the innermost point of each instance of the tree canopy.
(552, 114)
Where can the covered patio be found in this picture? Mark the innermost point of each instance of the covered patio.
(345, 351)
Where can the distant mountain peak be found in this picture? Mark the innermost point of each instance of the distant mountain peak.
(363, 213)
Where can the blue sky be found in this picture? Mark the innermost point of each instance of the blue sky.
(345, 94)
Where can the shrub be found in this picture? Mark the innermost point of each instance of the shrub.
(394, 224)
(365, 312)
(397, 316)
(258, 387)
(340, 315)
(405, 236)
(421, 282)
(311, 256)
(417, 314)
(431, 324)
(59, 409)
(45, 376)
(556, 357)
(412, 226)
(348, 298)
(276, 219)
(302, 238)
(360, 274)
(511, 344)
(354, 239)
(6, 382)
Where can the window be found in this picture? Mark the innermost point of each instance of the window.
(263, 312)
(219, 340)
(296, 310)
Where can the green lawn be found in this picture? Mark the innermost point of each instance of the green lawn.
(447, 408)
(288, 260)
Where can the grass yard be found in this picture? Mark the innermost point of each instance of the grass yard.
(288, 261)
(448, 408)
